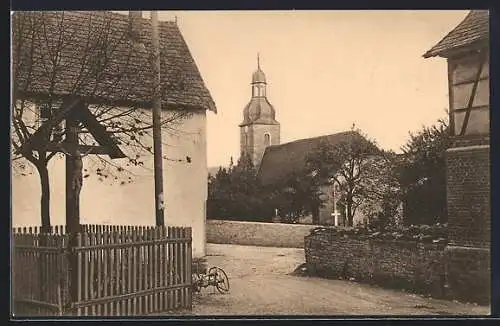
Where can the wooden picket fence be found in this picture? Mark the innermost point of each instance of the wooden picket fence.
(38, 273)
(121, 271)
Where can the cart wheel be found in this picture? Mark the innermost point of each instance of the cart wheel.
(221, 280)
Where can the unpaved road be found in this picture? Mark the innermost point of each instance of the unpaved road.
(260, 285)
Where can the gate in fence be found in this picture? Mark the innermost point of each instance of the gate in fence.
(121, 271)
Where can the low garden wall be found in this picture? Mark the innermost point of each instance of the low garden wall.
(257, 234)
(468, 274)
(405, 264)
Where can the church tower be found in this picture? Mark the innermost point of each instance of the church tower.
(259, 128)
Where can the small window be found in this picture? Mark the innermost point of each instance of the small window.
(267, 139)
(45, 112)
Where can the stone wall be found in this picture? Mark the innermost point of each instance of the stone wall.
(411, 265)
(435, 269)
(257, 234)
(468, 274)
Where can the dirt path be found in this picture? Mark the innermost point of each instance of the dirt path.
(260, 285)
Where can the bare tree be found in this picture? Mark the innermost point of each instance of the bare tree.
(44, 53)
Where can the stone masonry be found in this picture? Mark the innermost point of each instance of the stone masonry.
(411, 265)
(468, 195)
(469, 222)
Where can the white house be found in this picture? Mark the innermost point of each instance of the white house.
(105, 200)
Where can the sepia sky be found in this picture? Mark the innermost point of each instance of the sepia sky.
(325, 70)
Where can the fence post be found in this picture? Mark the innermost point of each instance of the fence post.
(189, 265)
(73, 231)
(42, 263)
(14, 239)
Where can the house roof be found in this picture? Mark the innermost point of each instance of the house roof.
(127, 77)
(281, 161)
(474, 29)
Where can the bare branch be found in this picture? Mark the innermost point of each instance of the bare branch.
(44, 42)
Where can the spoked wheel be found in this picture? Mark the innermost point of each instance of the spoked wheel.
(196, 283)
(221, 280)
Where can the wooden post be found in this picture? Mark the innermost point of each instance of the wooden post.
(74, 111)
(72, 162)
(157, 139)
(158, 159)
(72, 203)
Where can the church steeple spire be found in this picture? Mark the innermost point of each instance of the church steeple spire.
(258, 81)
(259, 128)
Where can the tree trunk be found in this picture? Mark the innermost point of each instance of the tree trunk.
(350, 217)
(315, 214)
(45, 229)
(43, 172)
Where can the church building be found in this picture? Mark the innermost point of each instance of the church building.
(275, 162)
(259, 128)
(280, 162)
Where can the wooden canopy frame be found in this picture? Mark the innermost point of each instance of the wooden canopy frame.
(74, 110)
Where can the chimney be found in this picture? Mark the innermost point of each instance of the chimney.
(135, 25)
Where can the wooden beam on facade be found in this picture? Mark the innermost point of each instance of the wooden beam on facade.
(37, 140)
(78, 111)
(472, 96)
(100, 134)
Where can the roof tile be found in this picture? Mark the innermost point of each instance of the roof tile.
(282, 161)
(90, 39)
(473, 29)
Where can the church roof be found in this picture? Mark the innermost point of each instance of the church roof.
(258, 76)
(281, 161)
(128, 68)
(472, 31)
(259, 111)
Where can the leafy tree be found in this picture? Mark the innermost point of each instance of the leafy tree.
(381, 191)
(357, 166)
(422, 174)
(234, 193)
(218, 194)
(45, 39)
(295, 196)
